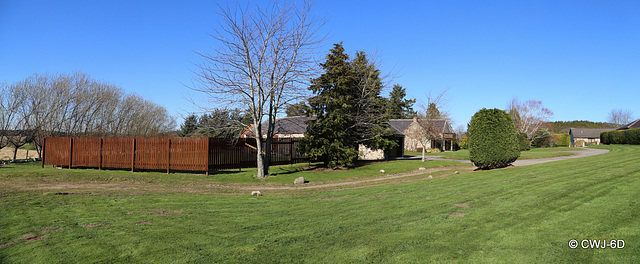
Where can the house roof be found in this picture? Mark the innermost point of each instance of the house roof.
(588, 132)
(440, 125)
(297, 125)
(289, 125)
(634, 124)
(400, 125)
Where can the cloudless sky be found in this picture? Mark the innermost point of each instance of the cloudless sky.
(580, 58)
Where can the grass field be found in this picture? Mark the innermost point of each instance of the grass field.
(536, 153)
(525, 214)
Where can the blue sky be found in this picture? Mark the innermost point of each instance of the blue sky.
(580, 58)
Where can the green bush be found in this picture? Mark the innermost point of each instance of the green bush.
(629, 136)
(543, 139)
(523, 142)
(562, 140)
(493, 141)
(464, 142)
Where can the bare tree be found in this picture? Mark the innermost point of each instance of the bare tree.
(528, 116)
(263, 61)
(620, 117)
(76, 105)
(426, 131)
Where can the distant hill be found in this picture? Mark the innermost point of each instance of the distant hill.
(564, 126)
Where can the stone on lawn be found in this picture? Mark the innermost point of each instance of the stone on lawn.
(299, 180)
(422, 168)
(381, 171)
(430, 177)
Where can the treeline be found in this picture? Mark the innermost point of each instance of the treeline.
(74, 105)
(219, 123)
(564, 126)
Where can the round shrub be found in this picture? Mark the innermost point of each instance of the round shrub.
(493, 141)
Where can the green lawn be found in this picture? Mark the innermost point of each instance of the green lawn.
(536, 153)
(525, 214)
(28, 147)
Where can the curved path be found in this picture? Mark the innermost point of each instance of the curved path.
(585, 152)
(306, 188)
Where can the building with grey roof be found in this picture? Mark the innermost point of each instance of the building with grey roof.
(581, 137)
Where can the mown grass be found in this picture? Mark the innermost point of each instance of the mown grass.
(28, 147)
(536, 153)
(525, 214)
(279, 175)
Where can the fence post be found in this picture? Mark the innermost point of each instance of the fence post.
(207, 150)
(44, 143)
(168, 154)
(133, 154)
(70, 151)
(100, 162)
(291, 150)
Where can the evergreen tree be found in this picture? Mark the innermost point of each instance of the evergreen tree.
(398, 107)
(349, 108)
(493, 140)
(299, 109)
(189, 126)
(433, 112)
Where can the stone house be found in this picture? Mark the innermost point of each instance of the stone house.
(581, 137)
(439, 131)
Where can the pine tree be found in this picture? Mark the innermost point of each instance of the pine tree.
(189, 126)
(433, 112)
(398, 107)
(349, 110)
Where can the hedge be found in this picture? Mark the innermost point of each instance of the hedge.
(629, 137)
(562, 140)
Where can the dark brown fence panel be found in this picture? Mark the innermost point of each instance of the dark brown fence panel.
(232, 154)
(86, 152)
(189, 154)
(116, 152)
(58, 150)
(151, 153)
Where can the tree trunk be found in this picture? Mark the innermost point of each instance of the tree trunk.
(260, 159)
(424, 146)
(15, 153)
(267, 155)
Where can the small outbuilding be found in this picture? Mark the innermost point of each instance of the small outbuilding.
(581, 137)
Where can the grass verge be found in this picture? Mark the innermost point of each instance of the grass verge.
(537, 153)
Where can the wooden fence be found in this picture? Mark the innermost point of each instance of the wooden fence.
(183, 154)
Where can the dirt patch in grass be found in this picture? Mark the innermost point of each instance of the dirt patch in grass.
(28, 238)
(162, 212)
(456, 215)
(96, 224)
(462, 205)
(320, 167)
